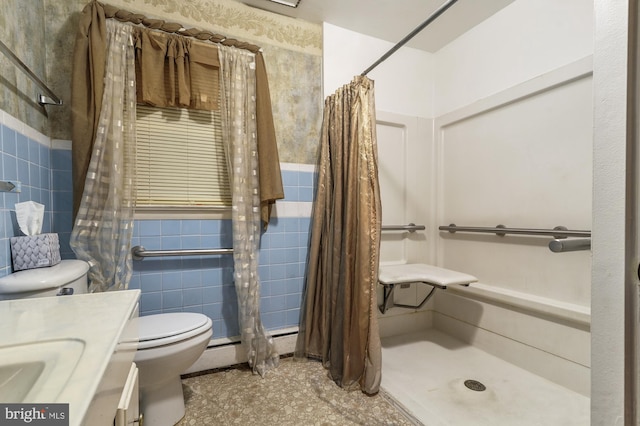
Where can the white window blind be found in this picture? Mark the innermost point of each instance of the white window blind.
(180, 158)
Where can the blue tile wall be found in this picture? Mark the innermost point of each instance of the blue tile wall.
(298, 186)
(28, 161)
(205, 283)
(62, 199)
(170, 284)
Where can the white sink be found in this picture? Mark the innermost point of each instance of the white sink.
(64, 350)
(37, 371)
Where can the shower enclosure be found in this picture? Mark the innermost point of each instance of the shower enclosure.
(485, 132)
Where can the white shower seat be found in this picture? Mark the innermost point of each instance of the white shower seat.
(391, 275)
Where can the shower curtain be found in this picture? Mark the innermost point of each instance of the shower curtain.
(238, 94)
(339, 318)
(104, 223)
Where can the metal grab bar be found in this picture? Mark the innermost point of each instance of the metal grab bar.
(573, 244)
(42, 100)
(139, 252)
(412, 227)
(558, 232)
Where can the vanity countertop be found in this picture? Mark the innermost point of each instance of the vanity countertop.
(97, 320)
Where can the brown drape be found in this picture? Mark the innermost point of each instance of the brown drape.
(268, 162)
(339, 319)
(86, 92)
(173, 70)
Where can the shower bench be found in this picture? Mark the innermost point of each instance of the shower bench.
(391, 275)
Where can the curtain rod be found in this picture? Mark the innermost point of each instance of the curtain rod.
(411, 35)
(122, 15)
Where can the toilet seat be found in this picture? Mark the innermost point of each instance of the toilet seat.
(164, 329)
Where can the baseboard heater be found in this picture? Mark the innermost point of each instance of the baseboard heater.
(227, 352)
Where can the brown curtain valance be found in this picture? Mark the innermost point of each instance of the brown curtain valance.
(192, 57)
(175, 71)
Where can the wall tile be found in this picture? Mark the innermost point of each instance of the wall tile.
(192, 296)
(23, 147)
(150, 283)
(9, 167)
(150, 302)
(192, 242)
(34, 152)
(191, 279)
(9, 141)
(62, 179)
(23, 170)
(60, 159)
(196, 309)
(171, 280)
(292, 317)
(170, 242)
(190, 227)
(171, 299)
(149, 228)
(171, 227)
(45, 158)
(277, 272)
(150, 243)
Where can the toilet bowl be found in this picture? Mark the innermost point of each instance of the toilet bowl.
(167, 344)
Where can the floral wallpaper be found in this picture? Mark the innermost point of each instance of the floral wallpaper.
(22, 31)
(292, 49)
(243, 20)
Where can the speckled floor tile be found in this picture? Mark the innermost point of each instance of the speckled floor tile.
(296, 393)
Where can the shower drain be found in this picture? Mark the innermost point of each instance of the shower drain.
(475, 385)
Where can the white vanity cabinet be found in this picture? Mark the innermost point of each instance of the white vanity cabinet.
(117, 393)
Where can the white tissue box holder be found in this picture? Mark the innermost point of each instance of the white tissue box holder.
(35, 251)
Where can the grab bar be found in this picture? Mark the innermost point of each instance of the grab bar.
(139, 252)
(412, 227)
(574, 244)
(558, 232)
(42, 100)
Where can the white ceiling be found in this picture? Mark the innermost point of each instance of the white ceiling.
(392, 20)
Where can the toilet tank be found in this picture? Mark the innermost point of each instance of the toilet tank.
(66, 278)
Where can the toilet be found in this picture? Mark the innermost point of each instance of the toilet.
(168, 343)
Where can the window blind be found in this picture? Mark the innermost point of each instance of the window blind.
(180, 158)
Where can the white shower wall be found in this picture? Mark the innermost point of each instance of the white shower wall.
(514, 140)
(522, 158)
(522, 41)
(510, 104)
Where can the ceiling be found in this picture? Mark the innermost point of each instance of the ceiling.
(392, 20)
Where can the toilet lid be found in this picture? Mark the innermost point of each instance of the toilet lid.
(160, 326)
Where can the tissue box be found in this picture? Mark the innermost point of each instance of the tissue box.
(35, 251)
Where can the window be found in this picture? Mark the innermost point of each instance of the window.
(181, 164)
